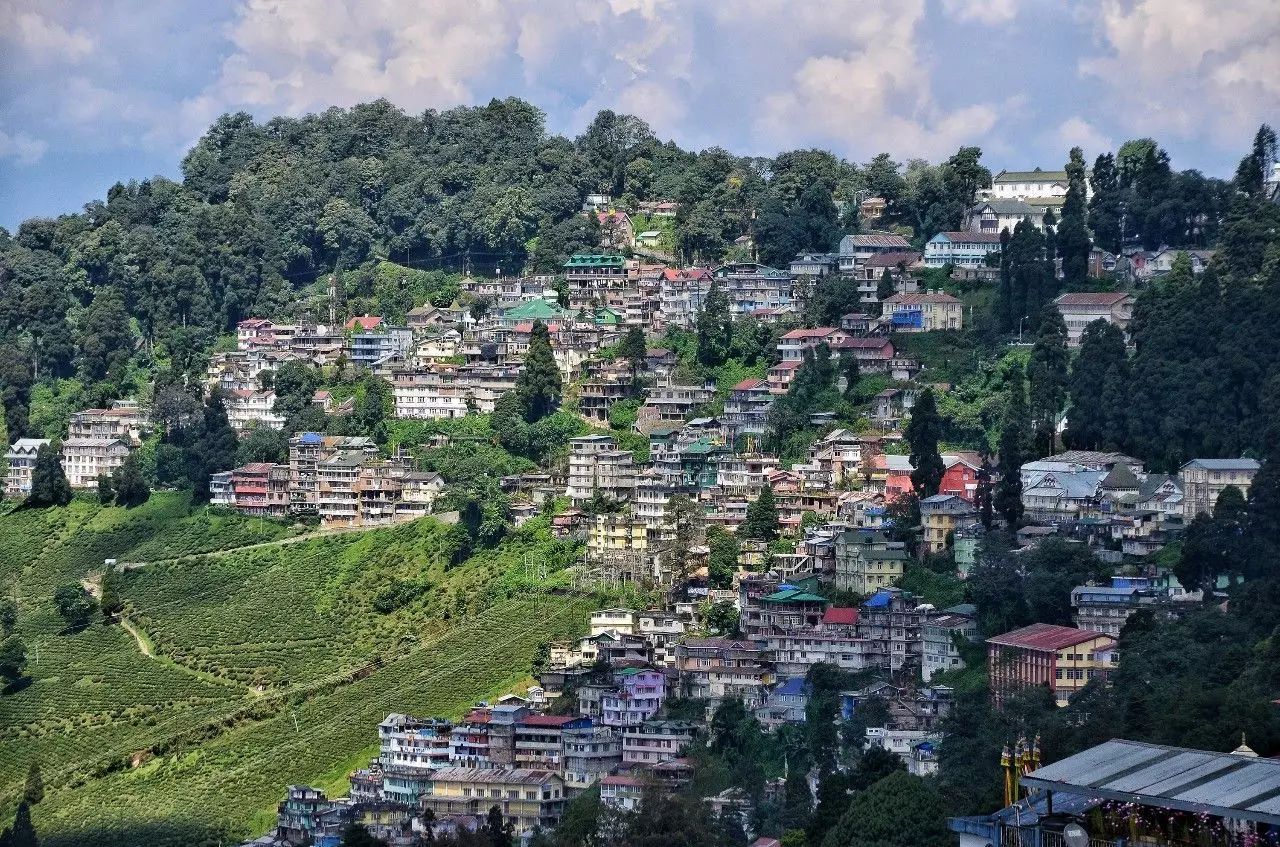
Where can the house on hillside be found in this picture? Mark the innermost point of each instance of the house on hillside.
(1081, 308)
(963, 249)
(927, 312)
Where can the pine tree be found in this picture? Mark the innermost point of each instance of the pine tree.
(885, 289)
(106, 493)
(1264, 502)
(23, 832)
(110, 602)
(1100, 370)
(762, 521)
(1047, 373)
(1073, 242)
(130, 486)
(714, 327)
(49, 486)
(13, 659)
(1106, 205)
(539, 384)
(1007, 500)
(852, 372)
(1005, 307)
(33, 789)
(923, 433)
(633, 350)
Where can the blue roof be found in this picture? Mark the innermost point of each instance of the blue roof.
(794, 687)
(312, 438)
(878, 600)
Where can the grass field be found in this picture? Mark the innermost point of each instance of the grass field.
(271, 665)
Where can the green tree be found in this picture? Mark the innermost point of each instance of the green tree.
(722, 561)
(898, 811)
(722, 618)
(130, 485)
(1073, 244)
(1106, 205)
(539, 385)
(263, 444)
(74, 604)
(49, 486)
(13, 659)
(683, 520)
(1007, 499)
(885, 289)
(33, 788)
(714, 327)
(923, 432)
(8, 616)
(633, 350)
(106, 493)
(1047, 375)
(357, 835)
(762, 521)
(1101, 369)
(110, 601)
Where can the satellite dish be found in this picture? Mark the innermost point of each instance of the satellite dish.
(1074, 835)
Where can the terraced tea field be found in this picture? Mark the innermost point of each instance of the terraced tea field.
(272, 665)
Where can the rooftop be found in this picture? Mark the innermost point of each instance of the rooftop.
(500, 776)
(968, 237)
(595, 260)
(1045, 636)
(1091, 298)
(1036, 175)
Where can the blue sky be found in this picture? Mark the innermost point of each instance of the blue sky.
(95, 93)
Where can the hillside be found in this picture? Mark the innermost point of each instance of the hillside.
(269, 665)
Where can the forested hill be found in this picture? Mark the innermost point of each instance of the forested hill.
(134, 290)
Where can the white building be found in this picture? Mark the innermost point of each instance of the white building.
(246, 409)
(963, 249)
(22, 461)
(84, 458)
(1081, 308)
(596, 464)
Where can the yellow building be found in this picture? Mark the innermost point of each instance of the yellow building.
(923, 312)
(527, 798)
(616, 533)
(1061, 657)
(941, 514)
(866, 561)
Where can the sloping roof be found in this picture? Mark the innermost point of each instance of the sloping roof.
(1120, 476)
(1045, 636)
(750, 384)
(874, 239)
(1225, 464)
(1007, 207)
(968, 237)
(365, 322)
(1036, 175)
(891, 260)
(841, 615)
(1198, 781)
(818, 332)
(595, 260)
(1091, 298)
(534, 309)
(914, 299)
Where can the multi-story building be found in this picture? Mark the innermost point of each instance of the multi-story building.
(1202, 480)
(1062, 658)
(963, 249)
(621, 792)
(892, 619)
(855, 250)
(681, 294)
(867, 561)
(528, 799)
(372, 341)
(715, 669)
(590, 753)
(595, 279)
(613, 620)
(786, 610)
(252, 491)
(124, 421)
(1033, 184)
(539, 740)
(938, 640)
(220, 491)
(247, 409)
(597, 396)
(618, 537)
(22, 461)
(84, 458)
(653, 742)
(1106, 608)
(932, 310)
(997, 215)
(414, 743)
(751, 286)
(597, 465)
(306, 451)
(637, 698)
(1081, 308)
(746, 409)
(432, 393)
(941, 515)
(672, 402)
(793, 344)
(795, 653)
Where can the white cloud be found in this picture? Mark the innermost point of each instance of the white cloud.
(21, 147)
(40, 39)
(989, 12)
(1193, 68)
(1078, 132)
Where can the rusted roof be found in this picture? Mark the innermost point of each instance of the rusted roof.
(1045, 636)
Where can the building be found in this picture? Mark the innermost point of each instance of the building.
(1000, 214)
(1061, 658)
(372, 344)
(746, 409)
(440, 392)
(716, 669)
(1035, 183)
(21, 459)
(414, 743)
(932, 310)
(653, 742)
(855, 250)
(124, 420)
(597, 465)
(590, 753)
(675, 402)
(1202, 480)
(621, 793)
(1130, 792)
(1106, 608)
(867, 561)
(681, 292)
(1081, 308)
(84, 458)
(247, 409)
(751, 286)
(891, 620)
(941, 515)
(793, 345)
(938, 640)
(595, 279)
(637, 697)
(528, 799)
(964, 249)
(814, 264)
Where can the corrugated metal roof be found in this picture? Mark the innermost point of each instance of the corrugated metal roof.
(1045, 636)
(1220, 784)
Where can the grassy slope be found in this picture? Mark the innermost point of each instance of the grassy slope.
(198, 742)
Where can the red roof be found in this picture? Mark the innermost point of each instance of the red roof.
(845, 615)
(365, 322)
(819, 332)
(862, 344)
(527, 327)
(255, 467)
(615, 779)
(548, 720)
(789, 365)
(749, 384)
(1090, 298)
(1046, 636)
(673, 274)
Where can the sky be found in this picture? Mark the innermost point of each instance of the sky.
(95, 93)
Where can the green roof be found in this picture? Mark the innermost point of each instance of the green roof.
(595, 260)
(702, 445)
(794, 595)
(608, 316)
(534, 310)
(1030, 176)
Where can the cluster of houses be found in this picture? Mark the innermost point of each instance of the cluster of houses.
(98, 441)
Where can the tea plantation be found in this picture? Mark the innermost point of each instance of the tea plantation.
(272, 665)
